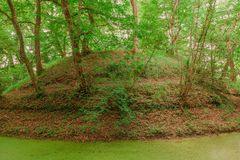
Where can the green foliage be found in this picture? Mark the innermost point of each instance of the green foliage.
(200, 35)
(217, 100)
(160, 93)
(117, 70)
(236, 86)
(17, 85)
(228, 107)
(13, 78)
(46, 131)
(88, 129)
(191, 127)
(238, 120)
(120, 99)
(153, 131)
(126, 68)
(20, 130)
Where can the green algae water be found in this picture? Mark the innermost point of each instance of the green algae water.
(223, 147)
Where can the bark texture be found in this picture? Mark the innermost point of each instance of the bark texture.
(75, 38)
(22, 52)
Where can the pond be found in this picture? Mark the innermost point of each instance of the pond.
(223, 147)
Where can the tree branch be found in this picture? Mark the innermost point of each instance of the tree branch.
(29, 22)
(4, 13)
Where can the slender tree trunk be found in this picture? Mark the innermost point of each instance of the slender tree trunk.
(233, 75)
(64, 50)
(230, 50)
(85, 43)
(135, 14)
(85, 46)
(59, 48)
(37, 38)
(197, 50)
(225, 69)
(229, 63)
(212, 64)
(22, 52)
(173, 33)
(74, 38)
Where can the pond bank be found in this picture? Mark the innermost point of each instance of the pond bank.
(158, 124)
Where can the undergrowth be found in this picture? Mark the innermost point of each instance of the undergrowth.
(116, 100)
(17, 76)
(236, 86)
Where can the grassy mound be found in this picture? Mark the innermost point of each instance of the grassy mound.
(128, 99)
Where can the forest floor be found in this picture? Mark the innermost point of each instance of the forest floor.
(155, 111)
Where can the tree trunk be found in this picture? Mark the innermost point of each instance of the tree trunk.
(172, 30)
(59, 48)
(37, 38)
(212, 64)
(85, 43)
(233, 75)
(22, 52)
(196, 52)
(135, 14)
(230, 49)
(64, 50)
(225, 69)
(85, 46)
(74, 38)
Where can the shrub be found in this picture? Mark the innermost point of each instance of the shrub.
(216, 100)
(118, 70)
(45, 131)
(155, 131)
(119, 99)
(125, 69)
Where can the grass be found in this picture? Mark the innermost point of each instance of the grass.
(209, 148)
(236, 86)
(21, 82)
(16, 85)
(153, 70)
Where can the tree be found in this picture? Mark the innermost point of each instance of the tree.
(174, 29)
(37, 27)
(75, 38)
(196, 50)
(135, 14)
(22, 52)
(85, 42)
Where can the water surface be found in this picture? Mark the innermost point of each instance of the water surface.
(223, 147)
